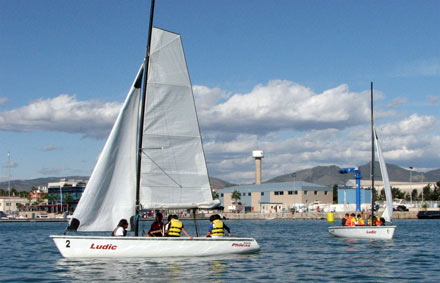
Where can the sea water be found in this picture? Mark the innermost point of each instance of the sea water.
(291, 251)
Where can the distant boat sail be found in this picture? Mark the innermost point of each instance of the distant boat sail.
(151, 161)
(388, 211)
(372, 232)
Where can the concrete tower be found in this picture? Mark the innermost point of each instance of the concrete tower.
(258, 155)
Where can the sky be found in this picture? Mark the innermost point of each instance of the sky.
(291, 78)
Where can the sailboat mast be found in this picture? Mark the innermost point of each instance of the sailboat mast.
(372, 158)
(141, 124)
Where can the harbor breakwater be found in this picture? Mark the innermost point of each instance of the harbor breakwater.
(412, 214)
(307, 215)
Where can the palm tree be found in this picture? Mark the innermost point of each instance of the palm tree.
(214, 195)
(236, 195)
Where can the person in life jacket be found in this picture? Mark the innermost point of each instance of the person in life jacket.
(377, 221)
(359, 220)
(344, 220)
(217, 227)
(176, 227)
(351, 221)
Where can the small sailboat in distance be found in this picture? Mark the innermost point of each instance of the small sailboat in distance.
(372, 232)
(149, 162)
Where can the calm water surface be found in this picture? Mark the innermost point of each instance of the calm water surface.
(291, 250)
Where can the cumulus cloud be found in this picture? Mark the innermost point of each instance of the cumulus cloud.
(414, 124)
(3, 100)
(398, 101)
(432, 99)
(12, 164)
(49, 147)
(296, 127)
(284, 105)
(63, 113)
(423, 67)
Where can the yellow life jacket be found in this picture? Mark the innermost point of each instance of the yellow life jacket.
(175, 228)
(361, 222)
(218, 229)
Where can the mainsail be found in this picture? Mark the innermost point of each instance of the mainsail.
(173, 170)
(110, 192)
(173, 167)
(388, 212)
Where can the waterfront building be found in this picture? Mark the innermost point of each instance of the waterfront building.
(274, 197)
(65, 194)
(406, 187)
(11, 204)
(347, 195)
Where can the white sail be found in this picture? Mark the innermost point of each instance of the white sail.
(174, 173)
(388, 212)
(110, 192)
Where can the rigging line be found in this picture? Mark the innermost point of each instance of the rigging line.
(163, 171)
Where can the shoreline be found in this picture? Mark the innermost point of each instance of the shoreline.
(249, 216)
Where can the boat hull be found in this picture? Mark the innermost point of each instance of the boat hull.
(97, 246)
(363, 232)
(428, 215)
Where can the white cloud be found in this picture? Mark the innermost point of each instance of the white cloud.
(3, 100)
(295, 127)
(63, 113)
(50, 147)
(12, 164)
(398, 101)
(432, 99)
(284, 105)
(412, 125)
(423, 67)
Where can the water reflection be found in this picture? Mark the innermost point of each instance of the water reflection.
(291, 251)
(161, 269)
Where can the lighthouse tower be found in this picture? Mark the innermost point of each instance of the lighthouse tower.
(258, 155)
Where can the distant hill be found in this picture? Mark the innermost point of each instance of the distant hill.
(323, 175)
(218, 183)
(26, 185)
(329, 175)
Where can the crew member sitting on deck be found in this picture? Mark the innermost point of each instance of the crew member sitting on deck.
(176, 227)
(359, 220)
(351, 221)
(217, 227)
(344, 220)
(166, 227)
(121, 229)
(156, 227)
(377, 221)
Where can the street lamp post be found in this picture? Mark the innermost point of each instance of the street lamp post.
(9, 182)
(410, 182)
(61, 198)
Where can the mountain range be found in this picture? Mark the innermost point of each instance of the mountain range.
(323, 175)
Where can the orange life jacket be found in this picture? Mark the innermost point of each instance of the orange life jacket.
(377, 221)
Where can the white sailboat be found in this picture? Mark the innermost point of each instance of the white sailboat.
(372, 232)
(151, 161)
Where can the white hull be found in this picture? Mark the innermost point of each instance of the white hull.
(104, 246)
(363, 232)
